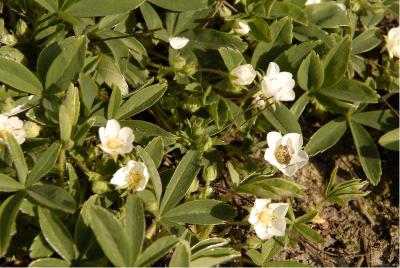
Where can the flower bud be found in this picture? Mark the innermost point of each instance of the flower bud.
(192, 104)
(241, 28)
(99, 187)
(32, 130)
(21, 28)
(224, 12)
(190, 68)
(178, 63)
(194, 186)
(210, 172)
(243, 75)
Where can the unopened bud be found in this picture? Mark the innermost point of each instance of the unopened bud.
(99, 187)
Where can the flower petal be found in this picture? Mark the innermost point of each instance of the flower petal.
(112, 128)
(126, 135)
(294, 139)
(278, 227)
(273, 69)
(274, 139)
(271, 158)
(262, 232)
(279, 209)
(178, 42)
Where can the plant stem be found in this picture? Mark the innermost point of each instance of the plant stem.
(61, 166)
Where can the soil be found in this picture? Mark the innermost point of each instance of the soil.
(365, 232)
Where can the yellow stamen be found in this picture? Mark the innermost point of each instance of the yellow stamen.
(113, 144)
(134, 178)
(282, 154)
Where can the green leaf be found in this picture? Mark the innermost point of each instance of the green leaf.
(259, 29)
(214, 257)
(208, 244)
(306, 217)
(352, 91)
(141, 100)
(335, 62)
(88, 90)
(390, 140)
(263, 187)
(40, 248)
(152, 168)
(283, 9)
(96, 8)
(201, 212)
(282, 119)
(74, 186)
(231, 57)
(155, 148)
(53, 197)
(56, 234)
(331, 180)
(145, 131)
(311, 74)
(181, 180)
(8, 213)
(43, 165)
(235, 177)
(308, 233)
(46, 57)
(326, 137)
(204, 39)
(66, 66)
(182, 5)
(111, 73)
(326, 15)
(299, 105)
(366, 41)
(156, 250)
(383, 120)
(114, 103)
(18, 158)
(111, 236)
(181, 256)
(135, 226)
(151, 17)
(19, 77)
(367, 152)
(270, 248)
(50, 5)
(290, 60)
(8, 184)
(49, 262)
(265, 52)
(65, 125)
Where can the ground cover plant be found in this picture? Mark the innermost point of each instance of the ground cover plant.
(199, 133)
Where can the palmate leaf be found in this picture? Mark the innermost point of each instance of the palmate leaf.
(19, 77)
(264, 187)
(181, 180)
(94, 8)
(8, 213)
(110, 235)
(135, 226)
(367, 152)
(201, 212)
(56, 234)
(156, 250)
(181, 256)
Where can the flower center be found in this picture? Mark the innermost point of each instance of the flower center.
(265, 217)
(134, 178)
(283, 155)
(113, 144)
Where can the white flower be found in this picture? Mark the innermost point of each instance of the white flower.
(12, 125)
(393, 42)
(285, 153)
(243, 75)
(133, 176)
(278, 85)
(268, 218)
(259, 102)
(178, 42)
(116, 140)
(311, 2)
(241, 28)
(341, 6)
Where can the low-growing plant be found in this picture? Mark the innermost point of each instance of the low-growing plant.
(144, 132)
